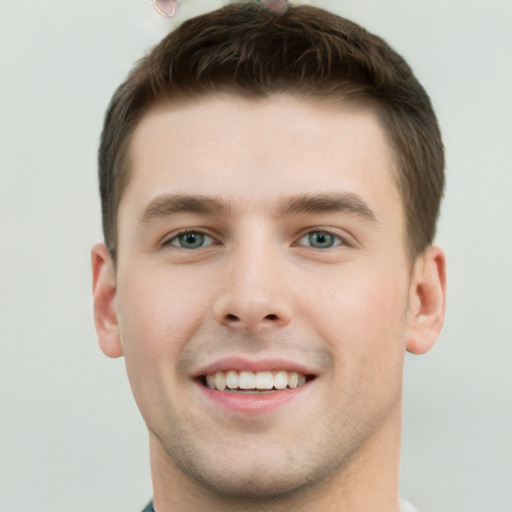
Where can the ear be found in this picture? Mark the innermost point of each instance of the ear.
(427, 300)
(104, 297)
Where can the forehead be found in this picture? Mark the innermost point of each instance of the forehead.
(252, 152)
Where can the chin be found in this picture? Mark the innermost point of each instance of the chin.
(255, 486)
(252, 478)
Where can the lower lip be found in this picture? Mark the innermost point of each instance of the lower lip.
(252, 402)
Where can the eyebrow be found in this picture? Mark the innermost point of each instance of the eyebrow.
(348, 203)
(167, 205)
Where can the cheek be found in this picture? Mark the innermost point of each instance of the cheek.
(158, 313)
(362, 315)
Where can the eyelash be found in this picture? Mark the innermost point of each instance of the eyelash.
(336, 239)
(177, 236)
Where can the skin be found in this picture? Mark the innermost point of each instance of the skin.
(260, 288)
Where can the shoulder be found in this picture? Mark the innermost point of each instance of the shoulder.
(149, 507)
(405, 506)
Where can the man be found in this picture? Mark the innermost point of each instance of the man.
(270, 188)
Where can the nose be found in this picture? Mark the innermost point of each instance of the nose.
(254, 294)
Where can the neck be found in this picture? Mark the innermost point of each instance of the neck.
(367, 480)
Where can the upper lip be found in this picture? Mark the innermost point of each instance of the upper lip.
(252, 364)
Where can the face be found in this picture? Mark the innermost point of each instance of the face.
(261, 246)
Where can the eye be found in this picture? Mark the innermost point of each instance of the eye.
(320, 240)
(191, 240)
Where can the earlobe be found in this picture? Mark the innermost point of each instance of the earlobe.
(427, 300)
(104, 295)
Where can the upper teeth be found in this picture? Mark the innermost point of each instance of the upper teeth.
(246, 380)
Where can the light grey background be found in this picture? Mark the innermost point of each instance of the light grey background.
(70, 436)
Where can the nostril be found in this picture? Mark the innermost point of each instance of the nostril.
(232, 318)
(271, 317)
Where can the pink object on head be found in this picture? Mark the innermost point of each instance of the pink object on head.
(167, 8)
(275, 6)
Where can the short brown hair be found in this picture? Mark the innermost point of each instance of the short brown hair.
(307, 51)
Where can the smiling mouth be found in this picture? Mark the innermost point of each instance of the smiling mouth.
(254, 382)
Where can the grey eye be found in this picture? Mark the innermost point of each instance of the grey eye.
(192, 240)
(320, 240)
